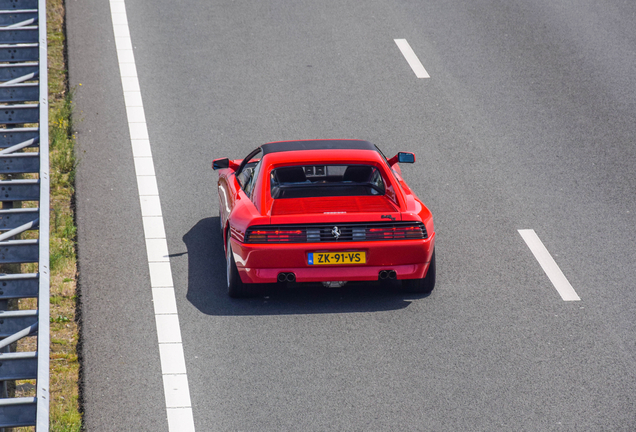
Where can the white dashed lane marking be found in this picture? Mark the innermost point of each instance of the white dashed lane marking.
(548, 265)
(411, 58)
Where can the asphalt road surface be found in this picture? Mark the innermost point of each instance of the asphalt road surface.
(526, 122)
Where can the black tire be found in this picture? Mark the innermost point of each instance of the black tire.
(235, 286)
(424, 285)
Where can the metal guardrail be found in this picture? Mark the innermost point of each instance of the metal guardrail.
(24, 149)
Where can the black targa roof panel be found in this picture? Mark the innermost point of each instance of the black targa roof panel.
(336, 144)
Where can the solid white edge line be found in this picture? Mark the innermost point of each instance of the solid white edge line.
(411, 58)
(173, 368)
(549, 266)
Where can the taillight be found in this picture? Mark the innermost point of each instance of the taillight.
(274, 236)
(396, 233)
(414, 232)
(315, 233)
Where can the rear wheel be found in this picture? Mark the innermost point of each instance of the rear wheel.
(423, 285)
(235, 286)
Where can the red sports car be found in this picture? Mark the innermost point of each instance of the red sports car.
(328, 211)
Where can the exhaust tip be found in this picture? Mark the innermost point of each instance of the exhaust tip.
(286, 277)
(387, 274)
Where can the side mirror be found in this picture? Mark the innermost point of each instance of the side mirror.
(220, 163)
(405, 157)
(402, 157)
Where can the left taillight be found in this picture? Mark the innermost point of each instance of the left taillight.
(265, 235)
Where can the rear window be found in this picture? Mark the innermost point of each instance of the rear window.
(310, 181)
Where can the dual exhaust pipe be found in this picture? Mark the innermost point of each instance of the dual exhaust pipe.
(387, 274)
(286, 277)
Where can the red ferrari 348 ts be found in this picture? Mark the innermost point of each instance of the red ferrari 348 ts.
(327, 211)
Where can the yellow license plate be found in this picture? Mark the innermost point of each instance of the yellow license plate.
(326, 258)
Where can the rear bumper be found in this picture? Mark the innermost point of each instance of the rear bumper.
(260, 263)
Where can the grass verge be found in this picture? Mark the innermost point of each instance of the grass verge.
(64, 409)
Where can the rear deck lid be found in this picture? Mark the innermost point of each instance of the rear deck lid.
(334, 209)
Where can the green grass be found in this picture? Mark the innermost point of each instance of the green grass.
(64, 406)
(65, 415)
(64, 420)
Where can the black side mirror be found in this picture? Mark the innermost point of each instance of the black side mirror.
(220, 163)
(404, 157)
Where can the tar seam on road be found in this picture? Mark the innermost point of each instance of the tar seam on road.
(548, 265)
(411, 58)
(173, 367)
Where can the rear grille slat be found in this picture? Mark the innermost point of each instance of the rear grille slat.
(336, 233)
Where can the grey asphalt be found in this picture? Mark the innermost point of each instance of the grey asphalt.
(527, 121)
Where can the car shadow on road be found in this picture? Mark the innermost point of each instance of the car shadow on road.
(207, 289)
